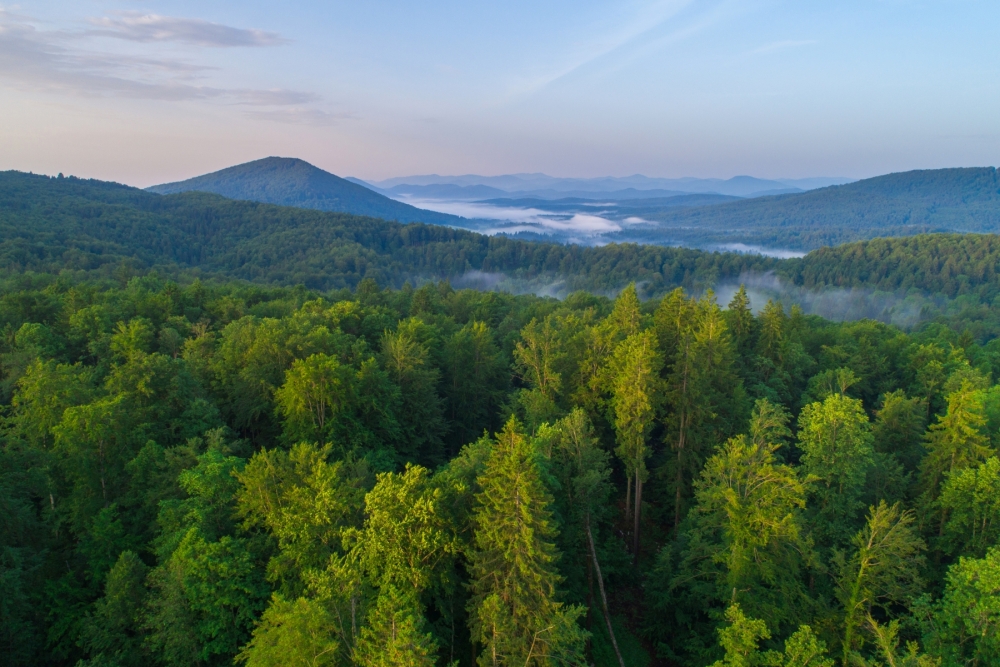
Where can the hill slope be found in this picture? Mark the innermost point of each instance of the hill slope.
(294, 182)
(915, 202)
(94, 228)
(56, 224)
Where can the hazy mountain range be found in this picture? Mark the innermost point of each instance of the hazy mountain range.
(791, 223)
(544, 186)
(109, 232)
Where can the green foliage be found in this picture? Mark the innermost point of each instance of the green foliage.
(305, 502)
(192, 473)
(514, 614)
(740, 639)
(963, 627)
(746, 540)
(886, 638)
(971, 500)
(394, 635)
(406, 534)
(956, 441)
(882, 570)
(300, 633)
(836, 442)
(111, 633)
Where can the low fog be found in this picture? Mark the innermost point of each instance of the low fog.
(832, 303)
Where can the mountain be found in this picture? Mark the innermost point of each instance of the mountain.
(591, 196)
(446, 191)
(294, 182)
(610, 208)
(523, 185)
(94, 229)
(902, 204)
(90, 227)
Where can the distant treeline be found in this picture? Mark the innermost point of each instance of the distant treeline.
(89, 228)
(50, 225)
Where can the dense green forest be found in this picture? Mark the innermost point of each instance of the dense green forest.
(209, 473)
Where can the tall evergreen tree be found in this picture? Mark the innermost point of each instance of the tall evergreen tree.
(514, 610)
(955, 442)
(635, 388)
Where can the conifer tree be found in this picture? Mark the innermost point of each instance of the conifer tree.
(537, 357)
(407, 361)
(955, 442)
(626, 316)
(746, 540)
(741, 323)
(296, 633)
(581, 466)
(394, 635)
(636, 367)
(514, 613)
(703, 393)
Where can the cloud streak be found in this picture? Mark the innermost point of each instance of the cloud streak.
(650, 17)
(658, 24)
(54, 62)
(137, 27)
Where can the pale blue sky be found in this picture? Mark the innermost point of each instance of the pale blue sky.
(144, 92)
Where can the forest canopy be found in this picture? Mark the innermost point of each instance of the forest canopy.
(197, 474)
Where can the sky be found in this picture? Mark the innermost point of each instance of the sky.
(148, 92)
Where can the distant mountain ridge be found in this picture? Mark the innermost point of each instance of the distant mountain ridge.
(901, 204)
(294, 182)
(108, 231)
(533, 184)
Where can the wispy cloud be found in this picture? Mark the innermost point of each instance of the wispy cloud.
(56, 62)
(138, 27)
(654, 25)
(649, 17)
(782, 45)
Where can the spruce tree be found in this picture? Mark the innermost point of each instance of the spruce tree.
(954, 443)
(635, 383)
(394, 635)
(514, 613)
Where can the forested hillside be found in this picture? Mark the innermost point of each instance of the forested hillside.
(904, 204)
(104, 230)
(948, 264)
(293, 182)
(203, 474)
(50, 224)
